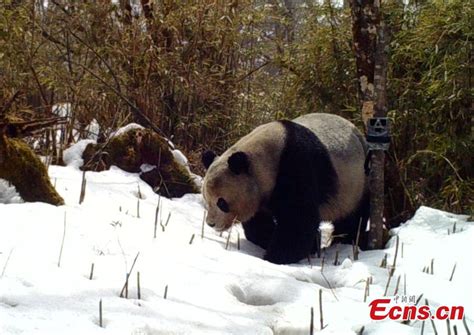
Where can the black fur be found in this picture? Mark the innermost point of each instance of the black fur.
(259, 229)
(239, 162)
(345, 229)
(305, 180)
(207, 158)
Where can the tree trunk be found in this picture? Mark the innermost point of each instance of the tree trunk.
(365, 20)
(378, 157)
(369, 34)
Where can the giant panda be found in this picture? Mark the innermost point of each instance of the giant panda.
(284, 178)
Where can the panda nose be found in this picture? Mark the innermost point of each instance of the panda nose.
(211, 224)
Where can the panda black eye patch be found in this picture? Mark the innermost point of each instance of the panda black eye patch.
(223, 205)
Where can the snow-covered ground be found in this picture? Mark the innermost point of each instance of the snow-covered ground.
(210, 289)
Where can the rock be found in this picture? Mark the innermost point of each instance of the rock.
(131, 149)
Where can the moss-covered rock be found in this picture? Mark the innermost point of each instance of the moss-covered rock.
(21, 167)
(135, 147)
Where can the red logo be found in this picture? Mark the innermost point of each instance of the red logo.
(381, 309)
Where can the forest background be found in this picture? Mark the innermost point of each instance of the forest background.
(207, 72)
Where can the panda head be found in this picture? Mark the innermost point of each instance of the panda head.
(229, 189)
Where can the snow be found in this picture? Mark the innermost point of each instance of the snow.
(72, 156)
(211, 289)
(8, 193)
(124, 129)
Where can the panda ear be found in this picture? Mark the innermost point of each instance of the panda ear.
(239, 162)
(207, 158)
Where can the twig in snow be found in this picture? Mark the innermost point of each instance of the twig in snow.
(452, 272)
(398, 284)
(449, 326)
(165, 295)
(403, 244)
(388, 283)
(82, 196)
(454, 228)
(432, 266)
(62, 242)
(125, 286)
(138, 208)
(227, 243)
(163, 226)
(6, 262)
(311, 322)
(156, 218)
(157, 212)
(366, 290)
(203, 223)
(355, 249)
(238, 241)
(423, 327)
(336, 258)
(418, 300)
(369, 280)
(192, 239)
(139, 293)
(383, 264)
(432, 321)
(321, 322)
(405, 284)
(139, 192)
(168, 219)
(92, 272)
(468, 332)
(455, 329)
(322, 264)
(100, 314)
(329, 285)
(396, 254)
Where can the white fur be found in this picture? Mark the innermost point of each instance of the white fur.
(344, 143)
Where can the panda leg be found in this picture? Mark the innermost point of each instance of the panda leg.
(259, 229)
(294, 236)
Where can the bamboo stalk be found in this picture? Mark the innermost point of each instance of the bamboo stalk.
(62, 242)
(92, 272)
(432, 321)
(388, 283)
(468, 331)
(100, 314)
(398, 284)
(321, 322)
(139, 293)
(203, 223)
(125, 286)
(82, 195)
(452, 272)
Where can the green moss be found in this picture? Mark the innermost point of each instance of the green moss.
(130, 150)
(20, 166)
